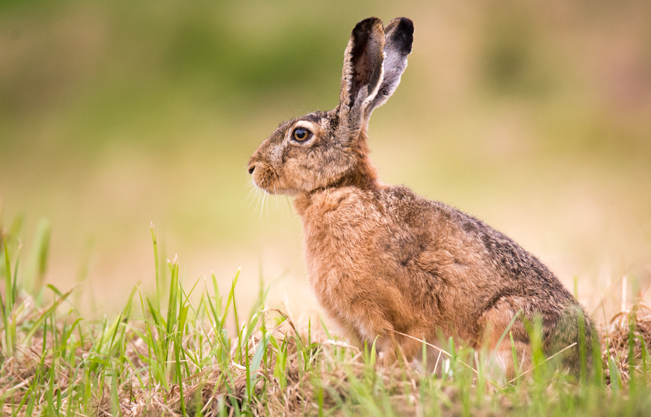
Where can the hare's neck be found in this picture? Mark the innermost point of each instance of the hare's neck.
(318, 201)
(358, 184)
(365, 175)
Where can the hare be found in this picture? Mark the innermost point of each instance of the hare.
(389, 266)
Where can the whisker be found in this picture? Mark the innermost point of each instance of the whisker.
(257, 199)
(281, 211)
(264, 196)
(268, 221)
(253, 189)
(290, 109)
(267, 208)
(252, 194)
(291, 213)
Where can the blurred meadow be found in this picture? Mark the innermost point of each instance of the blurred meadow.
(532, 116)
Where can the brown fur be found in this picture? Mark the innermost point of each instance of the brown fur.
(382, 259)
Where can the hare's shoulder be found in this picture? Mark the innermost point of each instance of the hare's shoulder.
(396, 206)
(420, 214)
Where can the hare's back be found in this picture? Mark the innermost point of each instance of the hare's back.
(467, 253)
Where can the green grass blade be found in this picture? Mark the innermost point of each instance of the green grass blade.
(174, 294)
(256, 361)
(218, 298)
(39, 322)
(156, 261)
(508, 328)
(9, 291)
(8, 304)
(14, 285)
(231, 299)
(38, 262)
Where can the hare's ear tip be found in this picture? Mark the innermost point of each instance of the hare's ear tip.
(403, 21)
(368, 23)
(406, 24)
(401, 31)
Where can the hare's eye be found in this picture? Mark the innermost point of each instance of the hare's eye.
(301, 134)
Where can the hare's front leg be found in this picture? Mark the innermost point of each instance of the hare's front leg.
(370, 325)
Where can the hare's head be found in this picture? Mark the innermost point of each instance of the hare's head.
(326, 149)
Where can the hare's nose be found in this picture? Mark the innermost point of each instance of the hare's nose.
(251, 168)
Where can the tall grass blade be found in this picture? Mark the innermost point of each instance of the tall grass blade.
(9, 291)
(582, 345)
(7, 305)
(256, 361)
(173, 296)
(82, 271)
(157, 263)
(632, 318)
(37, 265)
(615, 376)
(39, 322)
(597, 362)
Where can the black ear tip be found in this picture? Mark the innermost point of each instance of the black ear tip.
(405, 25)
(402, 33)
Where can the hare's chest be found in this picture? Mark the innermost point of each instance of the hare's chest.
(340, 233)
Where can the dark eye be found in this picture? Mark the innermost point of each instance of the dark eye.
(301, 134)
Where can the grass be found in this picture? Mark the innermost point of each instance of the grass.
(187, 350)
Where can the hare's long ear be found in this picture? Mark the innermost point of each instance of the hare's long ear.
(399, 39)
(362, 73)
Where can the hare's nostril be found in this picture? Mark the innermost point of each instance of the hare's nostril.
(251, 169)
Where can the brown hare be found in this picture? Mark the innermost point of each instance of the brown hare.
(385, 262)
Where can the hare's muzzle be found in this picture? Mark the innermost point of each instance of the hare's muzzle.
(259, 173)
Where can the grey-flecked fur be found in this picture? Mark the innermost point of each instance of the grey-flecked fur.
(385, 262)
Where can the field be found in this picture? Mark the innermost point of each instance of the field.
(166, 354)
(114, 115)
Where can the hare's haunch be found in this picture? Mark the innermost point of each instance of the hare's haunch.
(385, 261)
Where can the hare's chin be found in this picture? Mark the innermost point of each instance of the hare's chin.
(284, 191)
(275, 190)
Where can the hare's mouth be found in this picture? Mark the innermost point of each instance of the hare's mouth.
(266, 178)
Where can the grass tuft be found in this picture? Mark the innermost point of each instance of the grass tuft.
(177, 353)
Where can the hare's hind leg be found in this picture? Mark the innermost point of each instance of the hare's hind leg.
(512, 358)
(573, 336)
(508, 342)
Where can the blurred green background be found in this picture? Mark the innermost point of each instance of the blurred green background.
(533, 116)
